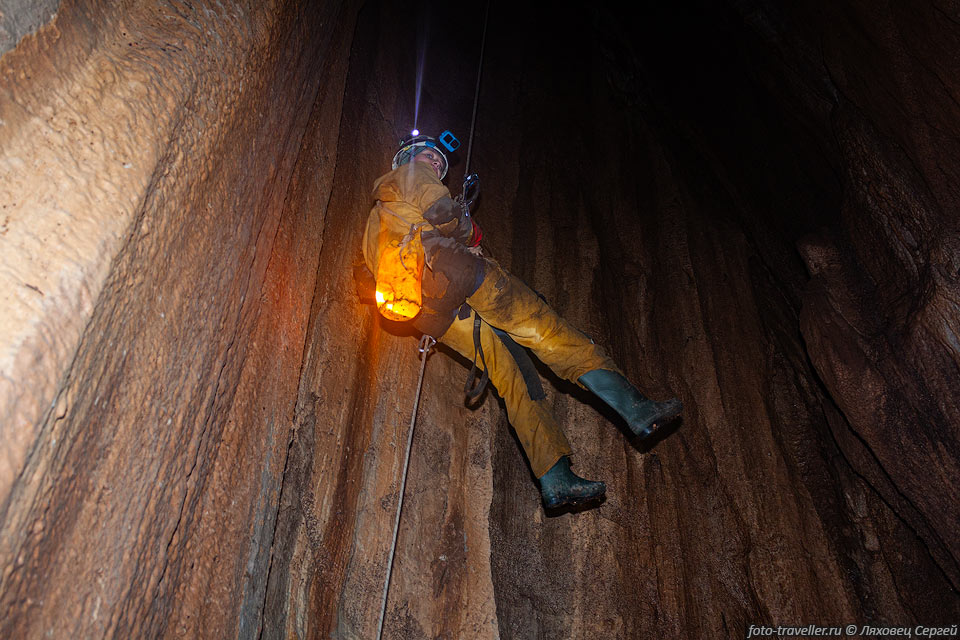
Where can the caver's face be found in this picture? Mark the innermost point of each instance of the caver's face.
(431, 157)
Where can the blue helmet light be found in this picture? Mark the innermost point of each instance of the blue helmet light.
(448, 140)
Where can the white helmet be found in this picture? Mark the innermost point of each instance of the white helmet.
(410, 147)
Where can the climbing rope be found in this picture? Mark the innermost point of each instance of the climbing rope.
(476, 93)
(426, 343)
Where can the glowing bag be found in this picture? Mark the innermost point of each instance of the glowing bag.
(400, 277)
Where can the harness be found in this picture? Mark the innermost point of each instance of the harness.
(519, 354)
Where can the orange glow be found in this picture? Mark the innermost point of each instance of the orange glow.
(399, 274)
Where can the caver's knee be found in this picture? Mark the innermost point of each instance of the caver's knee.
(495, 279)
(502, 291)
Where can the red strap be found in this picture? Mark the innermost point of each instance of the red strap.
(477, 234)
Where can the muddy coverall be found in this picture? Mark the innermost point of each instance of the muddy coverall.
(412, 196)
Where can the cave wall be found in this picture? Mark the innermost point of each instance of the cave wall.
(687, 262)
(870, 89)
(880, 315)
(693, 276)
(203, 429)
(357, 389)
(156, 289)
(20, 17)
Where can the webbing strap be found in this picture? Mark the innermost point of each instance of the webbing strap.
(528, 370)
(474, 392)
(519, 354)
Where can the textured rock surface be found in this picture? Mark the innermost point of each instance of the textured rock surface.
(22, 17)
(357, 386)
(156, 298)
(203, 430)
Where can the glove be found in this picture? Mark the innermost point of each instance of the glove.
(476, 236)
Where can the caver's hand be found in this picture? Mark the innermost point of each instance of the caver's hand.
(476, 236)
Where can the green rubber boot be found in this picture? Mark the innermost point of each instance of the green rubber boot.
(561, 487)
(642, 414)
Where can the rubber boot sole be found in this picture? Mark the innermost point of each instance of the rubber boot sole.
(562, 502)
(668, 412)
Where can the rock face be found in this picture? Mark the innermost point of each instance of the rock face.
(20, 17)
(156, 295)
(203, 430)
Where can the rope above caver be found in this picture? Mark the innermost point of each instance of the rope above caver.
(476, 93)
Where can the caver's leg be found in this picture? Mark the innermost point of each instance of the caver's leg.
(545, 444)
(643, 415)
(505, 302)
(510, 305)
(542, 439)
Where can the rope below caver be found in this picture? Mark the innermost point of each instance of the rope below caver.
(426, 343)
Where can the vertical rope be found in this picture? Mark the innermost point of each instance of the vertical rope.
(476, 93)
(426, 343)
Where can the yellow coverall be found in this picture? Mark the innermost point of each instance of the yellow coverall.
(502, 301)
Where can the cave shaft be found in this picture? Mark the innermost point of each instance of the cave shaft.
(202, 428)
